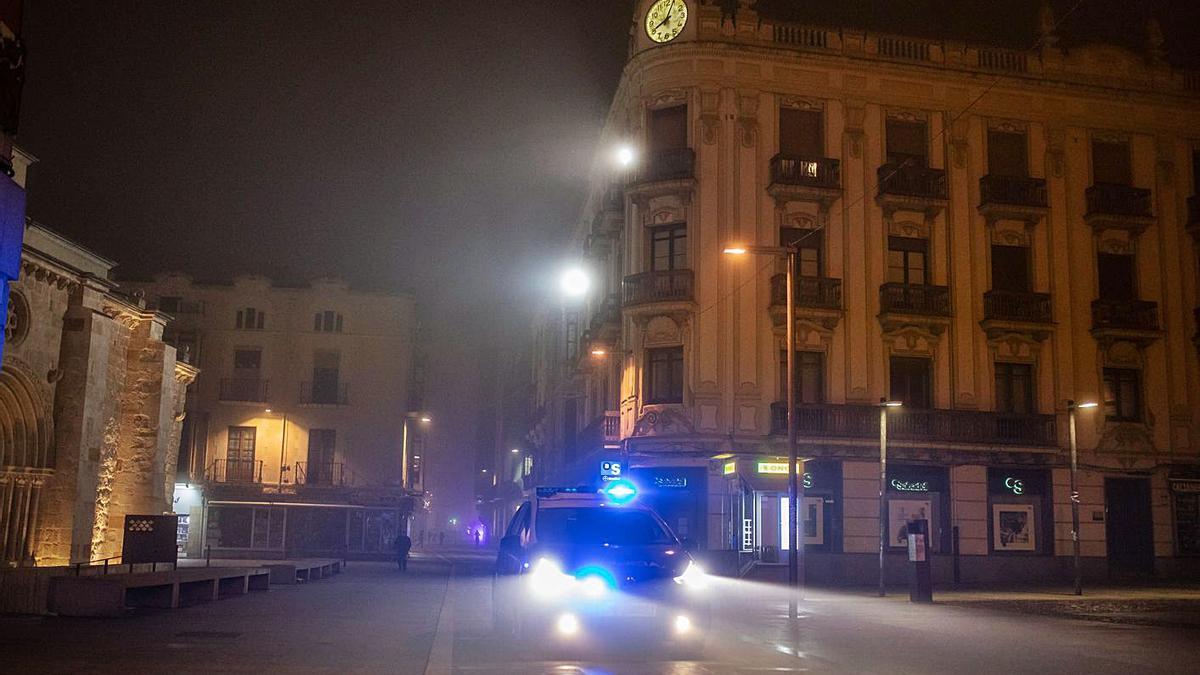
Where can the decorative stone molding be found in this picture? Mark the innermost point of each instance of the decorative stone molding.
(908, 228)
(710, 116)
(1117, 242)
(185, 373)
(1008, 126)
(1007, 232)
(1106, 136)
(959, 147)
(1126, 437)
(855, 117)
(662, 420)
(37, 271)
(747, 103)
(668, 98)
(1122, 354)
(802, 103)
(1014, 347)
(912, 340)
(662, 331)
(906, 115)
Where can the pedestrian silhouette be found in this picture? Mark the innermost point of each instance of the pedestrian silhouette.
(403, 546)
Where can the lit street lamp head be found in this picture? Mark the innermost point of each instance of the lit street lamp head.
(575, 283)
(735, 250)
(625, 156)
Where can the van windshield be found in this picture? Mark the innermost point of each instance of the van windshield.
(598, 526)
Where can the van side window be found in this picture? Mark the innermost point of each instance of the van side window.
(519, 522)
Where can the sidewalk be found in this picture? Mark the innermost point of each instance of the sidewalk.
(1164, 606)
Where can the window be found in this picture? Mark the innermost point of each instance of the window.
(1123, 394)
(810, 244)
(906, 260)
(810, 376)
(1116, 275)
(327, 322)
(1007, 154)
(664, 375)
(572, 335)
(247, 359)
(186, 344)
(170, 304)
(326, 367)
(239, 454)
(600, 527)
(1010, 268)
(907, 142)
(1111, 163)
(250, 319)
(1014, 388)
(911, 382)
(668, 248)
(801, 133)
(321, 443)
(668, 129)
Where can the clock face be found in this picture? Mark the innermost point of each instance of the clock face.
(665, 20)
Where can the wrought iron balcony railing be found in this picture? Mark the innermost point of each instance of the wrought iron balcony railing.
(1016, 306)
(814, 292)
(664, 286)
(818, 172)
(1124, 315)
(1111, 199)
(324, 393)
(247, 389)
(1012, 191)
(947, 426)
(235, 471)
(912, 181)
(914, 299)
(329, 474)
(673, 164)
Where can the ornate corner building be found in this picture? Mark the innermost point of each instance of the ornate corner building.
(982, 233)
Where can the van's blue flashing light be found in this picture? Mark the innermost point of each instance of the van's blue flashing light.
(620, 491)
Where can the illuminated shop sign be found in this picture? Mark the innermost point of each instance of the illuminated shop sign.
(730, 467)
(670, 481)
(1016, 485)
(782, 468)
(910, 485)
(610, 471)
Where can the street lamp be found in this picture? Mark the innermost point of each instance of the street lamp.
(625, 156)
(1072, 406)
(796, 536)
(884, 404)
(574, 282)
(423, 418)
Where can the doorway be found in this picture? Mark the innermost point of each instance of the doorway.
(1128, 525)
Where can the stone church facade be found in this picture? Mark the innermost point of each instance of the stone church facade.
(91, 406)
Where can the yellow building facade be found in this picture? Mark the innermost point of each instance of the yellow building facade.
(982, 233)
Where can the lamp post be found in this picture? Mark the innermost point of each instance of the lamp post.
(1072, 406)
(795, 535)
(421, 417)
(884, 404)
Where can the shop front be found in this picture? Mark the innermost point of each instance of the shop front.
(280, 530)
(1020, 512)
(759, 507)
(1185, 501)
(679, 495)
(917, 492)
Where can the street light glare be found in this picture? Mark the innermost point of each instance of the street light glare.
(893, 404)
(625, 156)
(516, 451)
(599, 352)
(735, 250)
(426, 419)
(1087, 404)
(575, 282)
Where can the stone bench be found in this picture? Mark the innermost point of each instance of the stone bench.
(301, 571)
(110, 595)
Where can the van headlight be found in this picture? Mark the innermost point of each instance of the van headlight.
(693, 577)
(547, 579)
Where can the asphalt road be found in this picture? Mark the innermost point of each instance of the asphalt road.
(437, 619)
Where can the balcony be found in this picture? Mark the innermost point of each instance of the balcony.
(1118, 206)
(945, 426)
(1016, 306)
(665, 165)
(602, 432)
(321, 474)
(911, 187)
(811, 292)
(897, 298)
(800, 178)
(1012, 197)
(1125, 319)
(605, 325)
(672, 286)
(610, 214)
(244, 389)
(234, 471)
(323, 393)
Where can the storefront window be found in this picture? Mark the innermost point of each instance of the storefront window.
(918, 493)
(1186, 494)
(1020, 510)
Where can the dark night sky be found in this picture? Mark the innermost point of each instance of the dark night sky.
(409, 144)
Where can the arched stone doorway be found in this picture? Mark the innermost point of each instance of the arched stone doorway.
(26, 461)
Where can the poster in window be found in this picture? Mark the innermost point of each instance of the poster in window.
(1013, 527)
(900, 511)
(813, 520)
